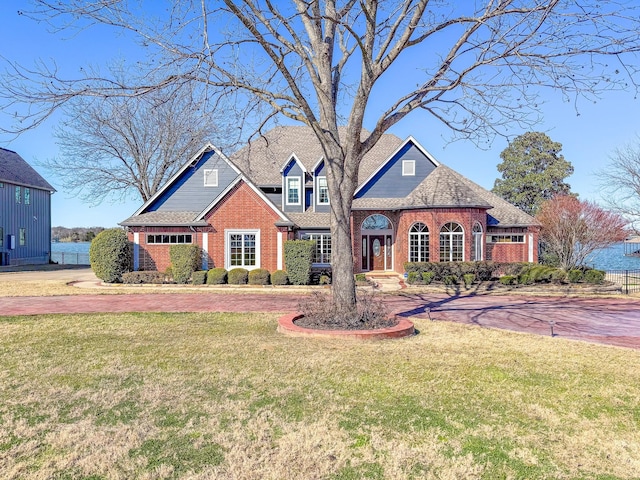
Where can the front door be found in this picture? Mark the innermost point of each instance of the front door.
(376, 252)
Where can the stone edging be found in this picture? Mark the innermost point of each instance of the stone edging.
(404, 328)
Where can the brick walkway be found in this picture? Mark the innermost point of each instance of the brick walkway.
(613, 321)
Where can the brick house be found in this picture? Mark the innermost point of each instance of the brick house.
(408, 207)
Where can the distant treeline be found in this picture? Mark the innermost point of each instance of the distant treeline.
(75, 234)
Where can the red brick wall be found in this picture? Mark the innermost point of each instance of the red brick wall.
(242, 208)
(513, 252)
(156, 257)
(435, 219)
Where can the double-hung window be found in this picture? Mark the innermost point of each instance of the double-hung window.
(293, 190)
(27, 196)
(23, 236)
(18, 194)
(323, 191)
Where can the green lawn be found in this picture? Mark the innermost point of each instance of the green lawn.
(224, 396)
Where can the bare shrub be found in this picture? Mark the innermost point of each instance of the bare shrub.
(321, 312)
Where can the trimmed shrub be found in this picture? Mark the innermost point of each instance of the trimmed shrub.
(482, 270)
(450, 280)
(259, 276)
(361, 277)
(595, 277)
(468, 279)
(559, 276)
(325, 280)
(217, 276)
(137, 278)
(110, 255)
(298, 257)
(279, 277)
(427, 277)
(413, 278)
(185, 260)
(575, 275)
(199, 277)
(508, 280)
(238, 276)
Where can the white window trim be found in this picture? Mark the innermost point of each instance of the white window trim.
(227, 248)
(208, 173)
(419, 235)
(307, 236)
(286, 193)
(318, 195)
(408, 168)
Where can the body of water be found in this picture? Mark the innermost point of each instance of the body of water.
(70, 253)
(613, 258)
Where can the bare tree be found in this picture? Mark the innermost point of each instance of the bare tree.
(573, 229)
(129, 146)
(620, 182)
(476, 66)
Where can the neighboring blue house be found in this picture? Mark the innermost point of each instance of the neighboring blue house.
(25, 212)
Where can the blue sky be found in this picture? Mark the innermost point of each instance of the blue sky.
(588, 139)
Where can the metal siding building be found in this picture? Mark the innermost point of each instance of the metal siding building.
(25, 212)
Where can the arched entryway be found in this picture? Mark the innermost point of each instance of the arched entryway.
(377, 243)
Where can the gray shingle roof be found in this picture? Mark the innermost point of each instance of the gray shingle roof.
(263, 158)
(310, 219)
(445, 187)
(14, 169)
(163, 219)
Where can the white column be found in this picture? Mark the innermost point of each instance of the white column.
(279, 261)
(530, 247)
(136, 251)
(205, 251)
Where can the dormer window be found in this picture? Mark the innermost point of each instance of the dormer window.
(323, 191)
(293, 191)
(408, 168)
(211, 178)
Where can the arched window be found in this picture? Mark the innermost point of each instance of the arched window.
(419, 243)
(376, 222)
(476, 244)
(451, 243)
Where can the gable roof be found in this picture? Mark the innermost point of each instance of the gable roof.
(446, 188)
(372, 174)
(14, 169)
(163, 218)
(262, 159)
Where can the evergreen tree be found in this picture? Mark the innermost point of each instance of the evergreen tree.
(533, 170)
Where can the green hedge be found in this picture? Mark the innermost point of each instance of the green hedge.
(298, 257)
(185, 260)
(238, 276)
(137, 278)
(482, 271)
(279, 277)
(110, 255)
(216, 276)
(259, 276)
(199, 277)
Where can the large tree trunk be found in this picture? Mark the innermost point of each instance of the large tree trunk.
(342, 182)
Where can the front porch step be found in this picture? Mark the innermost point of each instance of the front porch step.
(385, 281)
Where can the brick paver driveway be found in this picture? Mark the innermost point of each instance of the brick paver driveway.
(614, 321)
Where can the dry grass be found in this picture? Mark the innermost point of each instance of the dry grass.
(223, 396)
